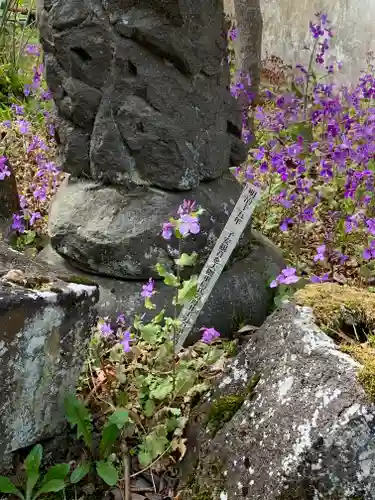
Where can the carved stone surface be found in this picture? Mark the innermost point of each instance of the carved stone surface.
(141, 89)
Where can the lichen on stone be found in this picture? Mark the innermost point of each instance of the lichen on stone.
(339, 309)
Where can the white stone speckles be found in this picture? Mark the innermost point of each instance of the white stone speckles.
(81, 289)
(284, 387)
(223, 496)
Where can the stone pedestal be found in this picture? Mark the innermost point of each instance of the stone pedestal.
(145, 120)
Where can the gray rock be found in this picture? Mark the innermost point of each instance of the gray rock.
(45, 326)
(116, 232)
(307, 430)
(73, 148)
(241, 295)
(160, 66)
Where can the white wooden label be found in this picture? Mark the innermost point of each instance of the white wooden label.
(218, 258)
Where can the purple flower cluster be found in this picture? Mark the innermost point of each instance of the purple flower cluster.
(187, 223)
(316, 159)
(209, 335)
(118, 332)
(286, 277)
(44, 177)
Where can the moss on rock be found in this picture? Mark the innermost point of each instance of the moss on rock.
(78, 280)
(338, 307)
(365, 355)
(225, 407)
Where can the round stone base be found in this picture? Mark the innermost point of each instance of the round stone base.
(241, 295)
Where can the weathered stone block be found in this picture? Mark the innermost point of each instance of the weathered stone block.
(289, 420)
(45, 326)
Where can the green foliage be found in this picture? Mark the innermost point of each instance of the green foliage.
(53, 481)
(80, 418)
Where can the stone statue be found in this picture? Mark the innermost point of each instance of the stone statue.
(145, 119)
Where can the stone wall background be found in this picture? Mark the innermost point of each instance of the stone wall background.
(285, 30)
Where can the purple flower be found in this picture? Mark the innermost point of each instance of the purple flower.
(284, 226)
(167, 230)
(23, 126)
(209, 335)
(19, 110)
(4, 169)
(27, 89)
(125, 342)
(186, 207)
(23, 202)
(34, 216)
(233, 34)
(18, 223)
(287, 277)
(7, 124)
(105, 329)
(121, 319)
(369, 253)
(148, 289)
(371, 226)
(319, 279)
(188, 224)
(320, 253)
(46, 95)
(40, 193)
(261, 153)
(32, 50)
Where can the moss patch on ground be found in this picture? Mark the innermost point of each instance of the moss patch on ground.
(342, 311)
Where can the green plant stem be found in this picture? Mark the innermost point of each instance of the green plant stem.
(174, 339)
(152, 463)
(308, 76)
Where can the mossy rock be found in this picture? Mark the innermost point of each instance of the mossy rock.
(344, 312)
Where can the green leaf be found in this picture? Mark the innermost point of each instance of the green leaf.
(112, 430)
(6, 486)
(145, 458)
(149, 408)
(32, 479)
(78, 415)
(159, 317)
(187, 260)
(34, 459)
(52, 486)
(80, 472)
(107, 472)
(163, 389)
(32, 464)
(150, 333)
(149, 304)
(29, 237)
(59, 471)
(169, 278)
(187, 291)
(153, 446)
(120, 417)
